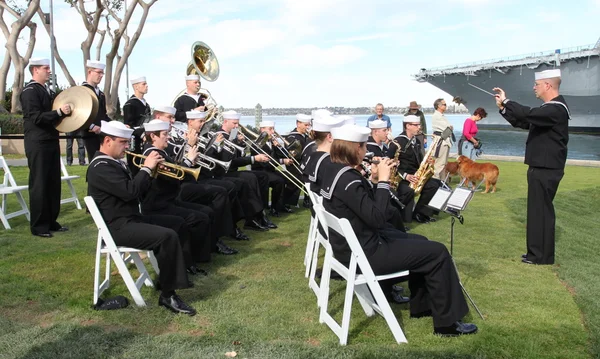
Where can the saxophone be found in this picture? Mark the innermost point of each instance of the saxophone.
(425, 170)
(395, 177)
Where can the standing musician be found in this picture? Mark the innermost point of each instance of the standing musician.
(42, 149)
(256, 183)
(440, 123)
(277, 181)
(291, 194)
(136, 112)
(379, 135)
(196, 121)
(410, 160)
(191, 99)
(95, 73)
(546, 155)
(212, 200)
(162, 198)
(434, 285)
(116, 194)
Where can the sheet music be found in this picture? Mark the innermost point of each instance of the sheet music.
(439, 199)
(459, 199)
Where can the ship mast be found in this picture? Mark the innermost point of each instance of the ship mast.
(597, 44)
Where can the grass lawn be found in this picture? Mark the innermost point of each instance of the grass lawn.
(258, 303)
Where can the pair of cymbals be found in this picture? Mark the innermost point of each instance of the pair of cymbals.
(84, 108)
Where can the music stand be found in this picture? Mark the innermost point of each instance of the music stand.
(453, 203)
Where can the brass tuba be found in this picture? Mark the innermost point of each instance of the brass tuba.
(205, 64)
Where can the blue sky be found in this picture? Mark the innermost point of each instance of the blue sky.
(306, 53)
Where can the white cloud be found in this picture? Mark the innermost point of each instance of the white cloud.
(382, 35)
(311, 55)
(271, 79)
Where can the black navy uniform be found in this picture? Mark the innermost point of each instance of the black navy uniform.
(117, 195)
(187, 102)
(277, 181)
(410, 158)
(379, 150)
(136, 112)
(546, 155)
(291, 194)
(43, 156)
(91, 140)
(433, 281)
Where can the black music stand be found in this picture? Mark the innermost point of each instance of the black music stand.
(453, 203)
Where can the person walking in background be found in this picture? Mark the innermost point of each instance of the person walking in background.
(415, 109)
(380, 116)
(80, 148)
(468, 144)
(440, 123)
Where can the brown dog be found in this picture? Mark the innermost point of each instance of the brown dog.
(452, 170)
(476, 172)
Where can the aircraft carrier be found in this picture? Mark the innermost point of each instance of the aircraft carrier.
(580, 71)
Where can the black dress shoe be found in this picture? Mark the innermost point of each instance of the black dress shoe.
(287, 209)
(421, 218)
(431, 219)
(176, 305)
(406, 229)
(44, 235)
(527, 261)
(266, 222)
(306, 203)
(240, 236)
(273, 212)
(397, 297)
(59, 229)
(424, 314)
(255, 226)
(224, 249)
(458, 328)
(524, 256)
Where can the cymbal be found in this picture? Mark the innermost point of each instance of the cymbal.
(84, 107)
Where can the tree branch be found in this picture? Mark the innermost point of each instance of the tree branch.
(57, 56)
(11, 11)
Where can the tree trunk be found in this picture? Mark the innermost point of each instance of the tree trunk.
(57, 56)
(3, 75)
(91, 27)
(20, 76)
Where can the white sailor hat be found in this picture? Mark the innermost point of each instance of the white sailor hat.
(326, 123)
(156, 125)
(267, 124)
(352, 133)
(303, 118)
(39, 62)
(195, 115)
(95, 64)
(411, 119)
(320, 112)
(377, 124)
(348, 120)
(192, 78)
(166, 109)
(137, 80)
(547, 74)
(231, 115)
(115, 128)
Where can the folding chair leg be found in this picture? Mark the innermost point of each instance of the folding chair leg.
(387, 313)
(142, 269)
(365, 299)
(154, 262)
(4, 220)
(129, 282)
(312, 282)
(74, 194)
(348, 304)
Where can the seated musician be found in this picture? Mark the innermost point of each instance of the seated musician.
(377, 140)
(434, 286)
(206, 198)
(291, 194)
(277, 181)
(191, 99)
(116, 194)
(256, 183)
(410, 157)
(163, 198)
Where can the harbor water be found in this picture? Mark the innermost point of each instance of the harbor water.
(500, 143)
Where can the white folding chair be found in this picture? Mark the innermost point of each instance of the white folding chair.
(68, 178)
(106, 246)
(315, 241)
(365, 286)
(9, 186)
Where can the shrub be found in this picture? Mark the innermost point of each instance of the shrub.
(11, 124)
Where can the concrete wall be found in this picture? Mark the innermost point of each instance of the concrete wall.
(17, 147)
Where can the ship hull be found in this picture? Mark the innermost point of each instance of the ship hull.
(580, 87)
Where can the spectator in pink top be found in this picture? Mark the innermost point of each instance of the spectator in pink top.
(469, 144)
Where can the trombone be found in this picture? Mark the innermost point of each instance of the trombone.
(165, 168)
(288, 175)
(289, 150)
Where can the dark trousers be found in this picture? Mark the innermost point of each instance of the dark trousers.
(291, 194)
(80, 148)
(542, 187)
(406, 195)
(433, 280)
(158, 233)
(277, 184)
(43, 160)
(237, 212)
(248, 193)
(214, 197)
(92, 144)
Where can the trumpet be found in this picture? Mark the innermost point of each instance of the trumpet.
(165, 168)
(210, 163)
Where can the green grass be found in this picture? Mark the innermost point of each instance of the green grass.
(258, 303)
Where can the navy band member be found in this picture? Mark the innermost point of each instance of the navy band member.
(376, 142)
(410, 159)
(136, 112)
(42, 149)
(291, 194)
(116, 194)
(546, 155)
(95, 73)
(434, 286)
(191, 99)
(162, 198)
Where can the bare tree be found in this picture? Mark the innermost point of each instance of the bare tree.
(91, 20)
(19, 62)
(57, 56)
